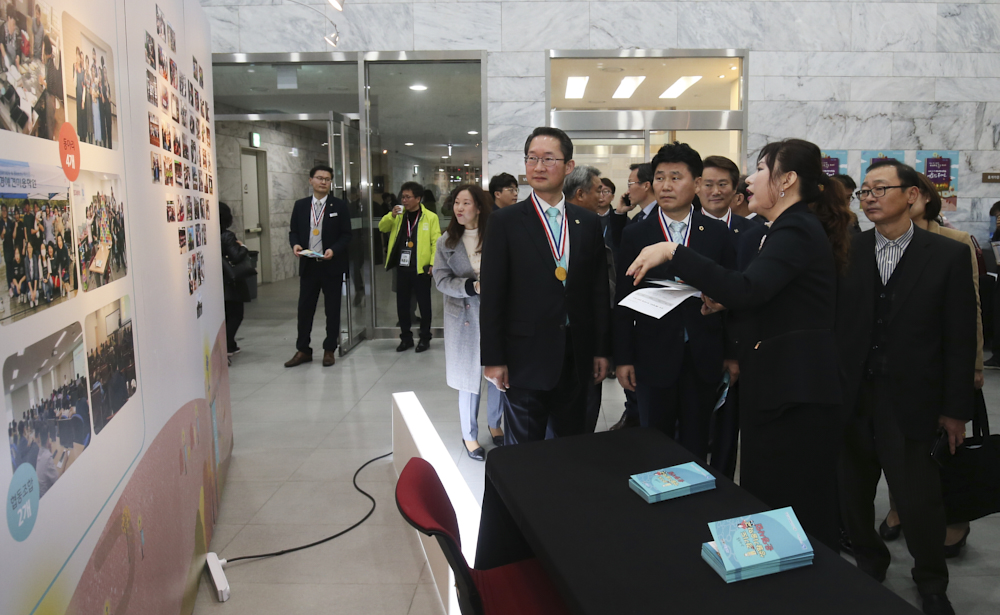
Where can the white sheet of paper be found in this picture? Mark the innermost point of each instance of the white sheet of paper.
(657, 302)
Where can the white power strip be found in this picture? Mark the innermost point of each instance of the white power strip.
(218, 577)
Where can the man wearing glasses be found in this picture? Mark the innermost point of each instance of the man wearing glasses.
(503, 188)
(545, 303)
(906, 324)
(319, 234)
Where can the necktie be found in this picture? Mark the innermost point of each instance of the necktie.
(552, 214)
(677, 231)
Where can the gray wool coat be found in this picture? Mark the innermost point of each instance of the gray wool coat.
(452, 269)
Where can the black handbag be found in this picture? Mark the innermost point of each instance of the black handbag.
(243, 270)
(970, 479)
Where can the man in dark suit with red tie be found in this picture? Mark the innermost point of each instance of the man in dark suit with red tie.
(320, 224)
(545, 301)
(673, 363)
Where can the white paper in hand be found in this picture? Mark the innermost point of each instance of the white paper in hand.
(656, 302)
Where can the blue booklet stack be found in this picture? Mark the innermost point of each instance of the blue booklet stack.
(757, 545)
(672, 482)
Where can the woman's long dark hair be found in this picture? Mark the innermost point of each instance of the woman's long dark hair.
(825, 196)
(485, 204)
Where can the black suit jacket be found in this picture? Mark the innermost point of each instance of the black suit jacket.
(656, 346)
(931, 330)
(524, 307)
(790, 291)
(336, 231)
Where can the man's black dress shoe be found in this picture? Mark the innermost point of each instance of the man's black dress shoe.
(955, 550)
(497, 440)
(846, 546)
(889, 532)
(938, 604)
(423, 345)
(404, 345)
(625, 422)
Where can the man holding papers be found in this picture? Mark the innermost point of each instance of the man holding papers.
(545, 305)
(673, 363)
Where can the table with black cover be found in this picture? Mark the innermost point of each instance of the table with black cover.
(568, 503)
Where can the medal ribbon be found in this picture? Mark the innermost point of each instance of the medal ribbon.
(317, 214)
(410, 227)
(558, 248)
(666, 234)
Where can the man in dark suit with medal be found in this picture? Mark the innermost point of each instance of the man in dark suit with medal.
(319, 234)
(674, 363)
(545, 301)
(906, 326)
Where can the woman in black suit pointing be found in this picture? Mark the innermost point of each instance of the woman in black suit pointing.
(790, 393)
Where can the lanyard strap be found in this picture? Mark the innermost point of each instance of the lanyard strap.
(666, 234)
(410, 227)
(558, 248)
(317, 214)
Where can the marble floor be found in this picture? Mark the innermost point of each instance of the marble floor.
(301, 433)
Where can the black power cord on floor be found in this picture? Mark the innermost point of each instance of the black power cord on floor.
(328, 538)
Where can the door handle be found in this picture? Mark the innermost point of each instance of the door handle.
(255, 230)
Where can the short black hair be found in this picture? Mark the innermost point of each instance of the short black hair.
(225, 216)
(846, 181)
(415, 189)
(565, 143)
(725, 164)
(610, 184)
(907, 175)
(643, 172)
(677, 152)
(500, 181)
(995, 210)
(320, 167)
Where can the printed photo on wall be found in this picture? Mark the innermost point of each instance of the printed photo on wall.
(164, 97)
(171, 38)
(166, 136)
(190, 209)
(201, 77)
(151, 89)
(171, 211)
(37, 232)
(191, 245)
(168, 172)
(204, 234)
(150, 51)
(155, 168)
(177, 173)
(182, 238)
(173, 74)
(110, 360)
(161, 24)
(185, 150)
(48, 415)
(91, 99)
(99, 212)
(175, 108)
(154, 129)
(31, 86)
(182, 86)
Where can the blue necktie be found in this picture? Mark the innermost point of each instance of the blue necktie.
(553, 216)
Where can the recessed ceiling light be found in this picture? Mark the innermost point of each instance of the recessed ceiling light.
(732, 68)
(473, 132)
(722, 76)
(576, 86)
(407, 144)
(466, 164)
(627, 87)
(385, 151)
(444, 157)
(440, 170)
(680, 86)
(416, 87)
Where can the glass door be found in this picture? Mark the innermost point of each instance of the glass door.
(345, 156)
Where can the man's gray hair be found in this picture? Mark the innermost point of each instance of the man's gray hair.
(582, 178)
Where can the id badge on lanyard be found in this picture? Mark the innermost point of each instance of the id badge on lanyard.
(405, 256)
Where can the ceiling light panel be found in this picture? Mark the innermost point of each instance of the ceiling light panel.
(576, 86)
(627, 87)
(680, 86)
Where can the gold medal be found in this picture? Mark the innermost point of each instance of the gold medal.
(315, 231)
(409, 244)
(561, 274)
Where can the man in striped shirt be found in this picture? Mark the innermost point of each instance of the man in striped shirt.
(906, 323)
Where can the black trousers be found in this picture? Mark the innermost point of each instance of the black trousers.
(411, 284)
(234, 317)
(539, 415)
(683, 411)
(790, 457)
(315, 277)
(874, 444)
(594, 392)
(726, 433)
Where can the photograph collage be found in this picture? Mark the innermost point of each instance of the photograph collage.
(64, 389)
(99, 211)
(179, 133)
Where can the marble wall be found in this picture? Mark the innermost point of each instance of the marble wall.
(846, 75)
(291, 151)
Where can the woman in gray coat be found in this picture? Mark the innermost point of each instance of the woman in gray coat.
(456, 275)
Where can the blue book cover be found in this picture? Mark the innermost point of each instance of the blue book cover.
(710, 554)
(770, 539)
(675, 478)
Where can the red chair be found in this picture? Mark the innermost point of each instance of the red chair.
(521, 588)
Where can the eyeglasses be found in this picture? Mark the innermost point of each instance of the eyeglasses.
(630, 184)
(606, 192)
(548, 163)
(325, 180)
(878, 192)
(510, 189)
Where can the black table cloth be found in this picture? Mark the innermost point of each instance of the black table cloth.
(568, 503)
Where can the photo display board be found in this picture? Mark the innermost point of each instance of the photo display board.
(112, 340)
